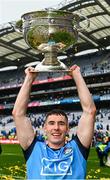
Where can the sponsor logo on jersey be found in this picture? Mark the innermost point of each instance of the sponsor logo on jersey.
(56, 167)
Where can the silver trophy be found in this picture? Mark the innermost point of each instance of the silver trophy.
(50, 32)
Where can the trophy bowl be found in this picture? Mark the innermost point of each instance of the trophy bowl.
(50, 32)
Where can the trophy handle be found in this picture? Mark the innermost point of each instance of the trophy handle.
(18, 26)
(78, 18)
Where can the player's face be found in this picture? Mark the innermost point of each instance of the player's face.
(56, 128)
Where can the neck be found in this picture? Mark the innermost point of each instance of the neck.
(55, 146)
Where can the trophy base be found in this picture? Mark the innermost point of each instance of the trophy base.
(46, 71)
(51, 68)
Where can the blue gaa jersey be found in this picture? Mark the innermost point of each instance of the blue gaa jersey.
(68, 162)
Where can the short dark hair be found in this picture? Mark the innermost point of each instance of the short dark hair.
(56, 112)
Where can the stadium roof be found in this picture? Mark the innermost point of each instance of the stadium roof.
(15, 52)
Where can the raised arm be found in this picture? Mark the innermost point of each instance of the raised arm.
(86, 123)
(25, 132)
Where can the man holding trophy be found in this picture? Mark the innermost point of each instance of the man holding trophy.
(54, 158)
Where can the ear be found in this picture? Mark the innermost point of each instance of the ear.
(68, 129)
(44, 128)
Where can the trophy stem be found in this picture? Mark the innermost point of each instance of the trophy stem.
(50, 63)
(50, 58)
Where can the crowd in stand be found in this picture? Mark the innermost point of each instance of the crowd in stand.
(102, 125)
(90, 64)
(97, 63)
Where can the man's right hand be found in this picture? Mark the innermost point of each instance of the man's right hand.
(74, 70)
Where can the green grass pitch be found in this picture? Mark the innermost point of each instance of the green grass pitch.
(12, 164)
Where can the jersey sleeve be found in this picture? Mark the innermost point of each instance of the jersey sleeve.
(83, 150)
(28, 151)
